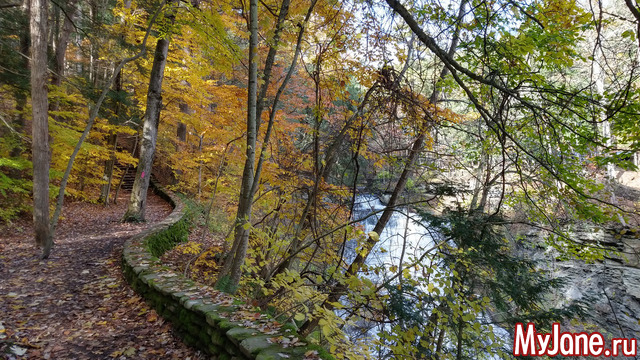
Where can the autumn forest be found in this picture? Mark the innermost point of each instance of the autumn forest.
(390, 179)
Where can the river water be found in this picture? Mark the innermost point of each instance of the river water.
(404, 239)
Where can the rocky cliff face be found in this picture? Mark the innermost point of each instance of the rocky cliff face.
(610, 287)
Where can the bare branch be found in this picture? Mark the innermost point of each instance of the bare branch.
(26, 139)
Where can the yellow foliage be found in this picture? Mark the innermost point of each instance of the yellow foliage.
(190, 247)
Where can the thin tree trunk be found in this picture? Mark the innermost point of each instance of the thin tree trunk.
(276, 100)
(108, 169)
(329, 161)
(605, 130)
(270, 60)
(112, 143)
(61, 50)
(360, 259)
(92, 51)
(325, 170)
(200, 166)
(181, 132)
(138, 200)
(126, 171)
(21, 94)
(40, 126)
(52, 28)
(63, 42)
(605, 125)
(231, 271)
(248, 189)
(274, 106)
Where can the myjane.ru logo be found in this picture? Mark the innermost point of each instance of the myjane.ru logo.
(528, 342)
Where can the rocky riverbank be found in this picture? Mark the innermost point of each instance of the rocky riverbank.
(610, 287)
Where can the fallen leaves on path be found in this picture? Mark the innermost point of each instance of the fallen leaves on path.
(76, 304)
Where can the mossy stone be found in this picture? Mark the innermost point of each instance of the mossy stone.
(253, 345)
(274, 353)
(237, 334)
(217, 338)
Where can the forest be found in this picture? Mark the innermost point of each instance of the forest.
(392, 179)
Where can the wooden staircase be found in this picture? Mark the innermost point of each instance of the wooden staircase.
(128, 176)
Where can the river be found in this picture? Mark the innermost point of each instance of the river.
(404, 240)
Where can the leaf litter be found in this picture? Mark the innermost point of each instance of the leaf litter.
(76, 304)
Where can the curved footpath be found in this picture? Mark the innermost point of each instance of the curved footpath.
(208, 319)
(76, 304)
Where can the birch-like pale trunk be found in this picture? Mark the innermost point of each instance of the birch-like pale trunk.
(138, 200)
(40, 126)
(92, 117)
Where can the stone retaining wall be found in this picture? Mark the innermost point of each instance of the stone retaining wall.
(207, 319)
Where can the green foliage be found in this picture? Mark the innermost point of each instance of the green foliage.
(163, 241)
(15, 187)
(477, 276)
(224, 285)
(14, 35)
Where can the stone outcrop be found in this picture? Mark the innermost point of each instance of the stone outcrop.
(611, 287)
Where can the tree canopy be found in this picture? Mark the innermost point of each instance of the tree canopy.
(475, 118)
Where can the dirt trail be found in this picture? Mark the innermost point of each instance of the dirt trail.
(76, 304)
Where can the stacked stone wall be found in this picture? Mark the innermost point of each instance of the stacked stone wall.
(202, 315)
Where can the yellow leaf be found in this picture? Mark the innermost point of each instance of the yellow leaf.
(431, 288)
(326, 330)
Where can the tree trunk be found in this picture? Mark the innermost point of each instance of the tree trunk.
(270, 60)
(181, 132)
(605, 131)
(53, 30)
(112, 143)
(605, 125)
(201, 164)
(330, 157)
(482, 186)
(246, 200)
(40, 126)
(138, 200)
(93, 114)
(249, 188)
(21, 91)
(232, 269)
(108, 170)
(63, 42)
(125, 172)
(276, 100)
